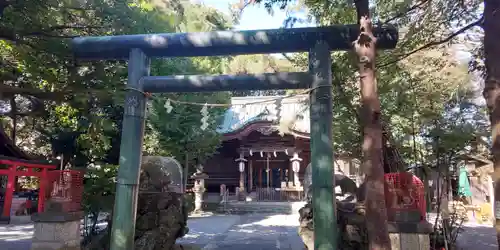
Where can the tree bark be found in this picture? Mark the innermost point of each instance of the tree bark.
(376, 211)
(491, 27)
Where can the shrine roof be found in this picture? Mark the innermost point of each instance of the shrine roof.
(9, 149)
(292, 112)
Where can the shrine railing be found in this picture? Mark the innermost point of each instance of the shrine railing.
(65, 188)
(404, 196)
(277, 194)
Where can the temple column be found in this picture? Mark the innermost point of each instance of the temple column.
(241, 167)
(296, 168)
(250, 176)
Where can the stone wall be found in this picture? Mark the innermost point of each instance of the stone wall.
(56, 231)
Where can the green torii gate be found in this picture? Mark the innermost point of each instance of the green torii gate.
(138, 49)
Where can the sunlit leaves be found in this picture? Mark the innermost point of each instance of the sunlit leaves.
(84, 124)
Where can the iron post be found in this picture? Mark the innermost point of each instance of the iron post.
(321, 113)
(124, 213)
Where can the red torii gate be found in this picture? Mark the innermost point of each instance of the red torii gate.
(12, 172)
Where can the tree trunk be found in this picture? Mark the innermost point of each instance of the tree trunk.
(376, 211)
(13, 116)
(491, 27)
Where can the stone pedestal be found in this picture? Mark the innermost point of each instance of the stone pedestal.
(199, 188)
(296, 181)
(57, 231)
(198, 201)
(242, 181)
(410, 236)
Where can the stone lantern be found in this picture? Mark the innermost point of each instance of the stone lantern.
(241, 167)
(199, 187)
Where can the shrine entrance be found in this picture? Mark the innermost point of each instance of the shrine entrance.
(138, 49)
(269, 173)
(21, 168)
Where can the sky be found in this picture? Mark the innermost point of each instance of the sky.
(254, 17)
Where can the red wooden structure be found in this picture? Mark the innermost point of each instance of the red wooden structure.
(404, 192)
(24, 168)
(66, 187)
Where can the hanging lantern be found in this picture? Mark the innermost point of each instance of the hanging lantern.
(241, 162)
(242, 166)
(296, 162)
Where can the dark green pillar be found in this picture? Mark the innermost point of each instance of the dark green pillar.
(123, 227)
(325, 222)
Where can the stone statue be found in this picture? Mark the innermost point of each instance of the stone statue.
(350, 215)
(347, 185)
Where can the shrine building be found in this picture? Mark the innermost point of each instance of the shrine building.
(266, 146)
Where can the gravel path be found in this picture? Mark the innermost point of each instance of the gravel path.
(248, 232)
(252, 232)
(16, 237)
(474, 235)
(477, 236)
(260, 232)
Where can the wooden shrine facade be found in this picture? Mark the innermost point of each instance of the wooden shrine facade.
(266, 157)
(265, 146)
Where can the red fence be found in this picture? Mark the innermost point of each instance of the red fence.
(65, 187)
(404, 194)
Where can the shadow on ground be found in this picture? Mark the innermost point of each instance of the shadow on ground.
(481, 237)
(16, 237)
(245, 232)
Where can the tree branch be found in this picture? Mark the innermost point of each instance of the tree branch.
(401, 14)
(15, 36)
(435, 43)
(47, 31)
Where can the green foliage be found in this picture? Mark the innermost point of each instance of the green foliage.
(258, 64)
(179, 132)
(99, 193)
(419, 82)
(99, 189)
(83, 100)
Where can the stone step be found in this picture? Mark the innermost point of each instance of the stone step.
(261, 207)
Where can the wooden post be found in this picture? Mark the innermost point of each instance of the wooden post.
(260, 177)
(250, 176)
(9, 191)
(43, 190)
